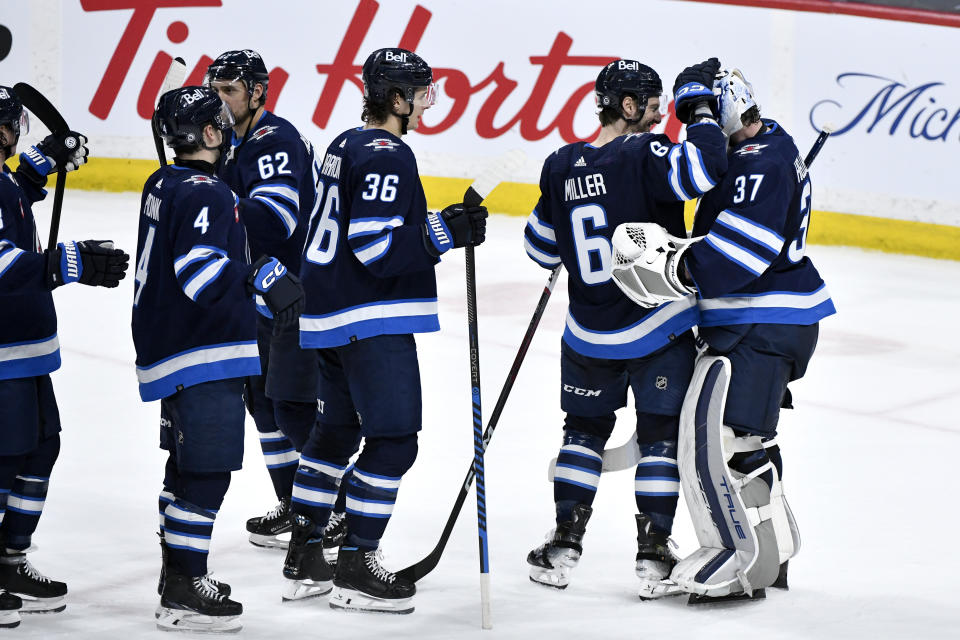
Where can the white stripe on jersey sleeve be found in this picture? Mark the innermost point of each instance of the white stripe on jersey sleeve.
(203, 277)
(735, 253)
(286, 216)
(368, 226)
(8, 255)
(698, 172)
(196, 253)
(674, 175)
(540, 256)
(282, 190)
(752, 230)
(373, 251)
(541, 229)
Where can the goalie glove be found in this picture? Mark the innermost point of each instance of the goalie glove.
(647, 263)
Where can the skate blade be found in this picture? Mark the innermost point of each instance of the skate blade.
(9, 619)
(352, 600)
(42, 605)
(305, 589)
(697, 600)
(192, 622)
(270, 542)
(554, 578)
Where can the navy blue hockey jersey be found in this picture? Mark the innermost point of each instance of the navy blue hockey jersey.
(274, 167)
(586, 192)
(28, 320)
(750, 266)
(365, 268)
(193, 320)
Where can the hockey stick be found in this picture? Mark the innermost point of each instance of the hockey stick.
(426, 565)
(173, 79)
(51, 118)
(627, 455)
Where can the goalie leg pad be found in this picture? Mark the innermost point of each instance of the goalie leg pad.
(730, 509)
(784, 524)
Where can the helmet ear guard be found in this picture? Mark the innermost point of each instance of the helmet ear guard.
(735, 97)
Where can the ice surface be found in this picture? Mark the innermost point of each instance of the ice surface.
(879, 406)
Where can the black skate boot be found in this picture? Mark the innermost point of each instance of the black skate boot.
(222, 587)
(264, 530)
(333, 536)
(39, 593)
(194, 604)
(551, 562)
(781, 581)
(655, 561)
(9, 610)
(362, 584)
(307, 572)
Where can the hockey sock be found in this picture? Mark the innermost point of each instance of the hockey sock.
(295, 420)
(657, 483)
(8, 473)
(373, 487)
(579, 464)
(28, 494)
(168, 494)
(341, 504)
(315, 490)
(187, 533)
(281, 458)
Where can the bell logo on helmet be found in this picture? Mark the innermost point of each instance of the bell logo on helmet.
(390, 56)
(190, 98)
(628, 65)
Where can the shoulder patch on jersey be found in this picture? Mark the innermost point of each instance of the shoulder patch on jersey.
(750, 149)
(263, 132)
(199, 179)
(386, 144)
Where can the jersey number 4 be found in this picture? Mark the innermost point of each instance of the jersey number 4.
(140, 276)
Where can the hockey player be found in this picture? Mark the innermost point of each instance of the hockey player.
(195, 335)
(29, 349)
(611, 345)
(369, 273)
(270, 166)
(760, 300)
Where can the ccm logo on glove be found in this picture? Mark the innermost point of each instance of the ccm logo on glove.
(271, 277)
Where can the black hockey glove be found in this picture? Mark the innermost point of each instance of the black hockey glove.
(92, 262)
(455, 226)
(693, 91)
(67, 150)
(280, 290)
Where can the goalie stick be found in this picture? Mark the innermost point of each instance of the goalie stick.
(627, 455)
(481, 188)
(173, 79)
(37, 104)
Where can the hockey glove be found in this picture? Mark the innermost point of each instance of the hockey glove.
(67, 150)
(455, 226)
(280, 290)
(693, 91)
(92, 262)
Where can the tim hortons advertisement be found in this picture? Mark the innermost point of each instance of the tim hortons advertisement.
(520, 75)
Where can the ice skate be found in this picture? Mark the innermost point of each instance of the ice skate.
(9, 610)
(655, 561)
(362, 584)
(781, 581)
(333, 536)
(194, 604)
(39, 593)
(222, 587)
(307, 573)
(551, 562)
(269, 531)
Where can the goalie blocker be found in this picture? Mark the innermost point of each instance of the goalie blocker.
(744, 526)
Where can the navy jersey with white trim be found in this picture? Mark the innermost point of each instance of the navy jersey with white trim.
(365, 268)
(273, 171)
(751, 265)
(28, 320)
(586, 192)
(193, 320)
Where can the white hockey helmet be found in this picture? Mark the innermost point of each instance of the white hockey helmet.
(736, 96)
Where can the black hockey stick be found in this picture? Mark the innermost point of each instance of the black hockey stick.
(818, 144)
(37, 104)
(173, 79)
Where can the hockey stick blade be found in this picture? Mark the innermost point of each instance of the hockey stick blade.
(39, 106)
(173, 79)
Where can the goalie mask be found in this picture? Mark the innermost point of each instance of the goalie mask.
(623, 78)
(735, 96)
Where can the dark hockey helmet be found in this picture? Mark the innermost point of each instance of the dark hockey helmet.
(393, 68)
(627, 78)
(12, 113)
(182, 114)
(244, 64)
